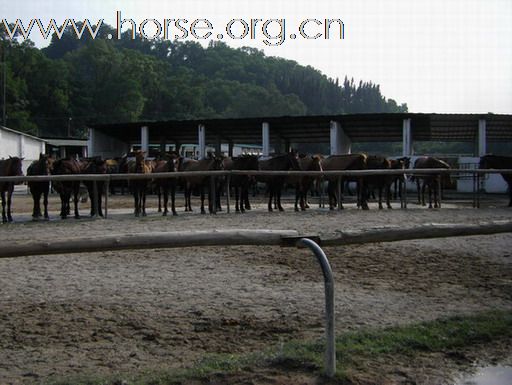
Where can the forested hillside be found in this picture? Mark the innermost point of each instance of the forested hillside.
(59, 89)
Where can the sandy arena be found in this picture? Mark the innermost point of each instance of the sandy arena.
(131, 311)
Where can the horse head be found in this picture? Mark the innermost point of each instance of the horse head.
(293, 161)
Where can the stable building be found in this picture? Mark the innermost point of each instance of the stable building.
(337, 132)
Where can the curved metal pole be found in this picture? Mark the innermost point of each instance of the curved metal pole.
(330, 351)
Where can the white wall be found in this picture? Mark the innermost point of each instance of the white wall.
(13, 144)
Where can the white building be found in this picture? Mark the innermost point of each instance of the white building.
(16, 143)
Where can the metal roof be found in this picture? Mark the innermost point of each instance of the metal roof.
(380, 127)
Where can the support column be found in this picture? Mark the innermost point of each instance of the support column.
(201, 141)
(265, 139)
(91, 142)
(230, 148)
(42, 148)
(177, 147)
(407, 138)
(144, 139)
(340, 142)
(163, 145)
(482, 137)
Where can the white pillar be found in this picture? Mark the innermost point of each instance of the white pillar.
(265, 138)
(482, 137)
(144, 139)
(91, 147)
(21, 145)
(340, 142)
(201, 140)
(407, 137)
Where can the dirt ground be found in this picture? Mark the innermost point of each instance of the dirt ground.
(132, 311)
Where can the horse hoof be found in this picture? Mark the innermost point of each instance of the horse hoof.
(174, 213)
(164, 214)
(296, 209)
(281, 209)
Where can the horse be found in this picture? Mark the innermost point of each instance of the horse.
(66, 189)
(402, 163)
(40, 167)
(199, 182)
(431, 180)
(94, 165)
(345, 162)
(241, 183)
(497, 162)
(166, 184)
(285, 162)
(9, 167)
(381, 182)
(303, 183)
(139, 186)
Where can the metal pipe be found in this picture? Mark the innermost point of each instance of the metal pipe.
(228, 191)
(330, 349)
(106, 192)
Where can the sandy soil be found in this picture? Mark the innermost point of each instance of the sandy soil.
(129, 311)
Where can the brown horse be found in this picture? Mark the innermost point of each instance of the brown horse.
(66, 189)
(402, 163)
(95, 165)
(138, 187)
(9, 167)
(430, 181)
(345, 162)
(275, 184)
(497, 162)
(241, 183)
(165, 184)
(303, 183)
(40, 167)
(380, 182)
(199, 182)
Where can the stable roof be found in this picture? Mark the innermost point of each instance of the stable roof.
(379, 127)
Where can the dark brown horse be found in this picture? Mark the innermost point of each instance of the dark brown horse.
(9, 167)
(66, 189)
(430, 181)
(380, 182)
(241, 183)
(199, 182)
(275, 184)
(340, 163)
(165, 184)
(399, 181)
(95, 165)
(499, 162)
(38, 189)
(139, 186)
(303, 183)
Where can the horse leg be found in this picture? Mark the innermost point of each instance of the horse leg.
(380, 198)
(278, 196)
(418, 189)
(362, 194)
(388, 196)
(159, 193)
(36, 197)
(297, 196)
(166, 200)
(270, 196)
(173, 199)
(75, 201)
(4, 218)
(202, 200)
(237, 196)
(437, 204)
(45, 203)
(10, 189)
(136, 201)
(143, 200)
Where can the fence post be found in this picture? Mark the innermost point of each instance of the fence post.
(340, 205)
(330, 349)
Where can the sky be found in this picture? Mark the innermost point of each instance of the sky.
(440, 56)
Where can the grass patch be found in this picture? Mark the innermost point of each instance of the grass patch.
(351, 349)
